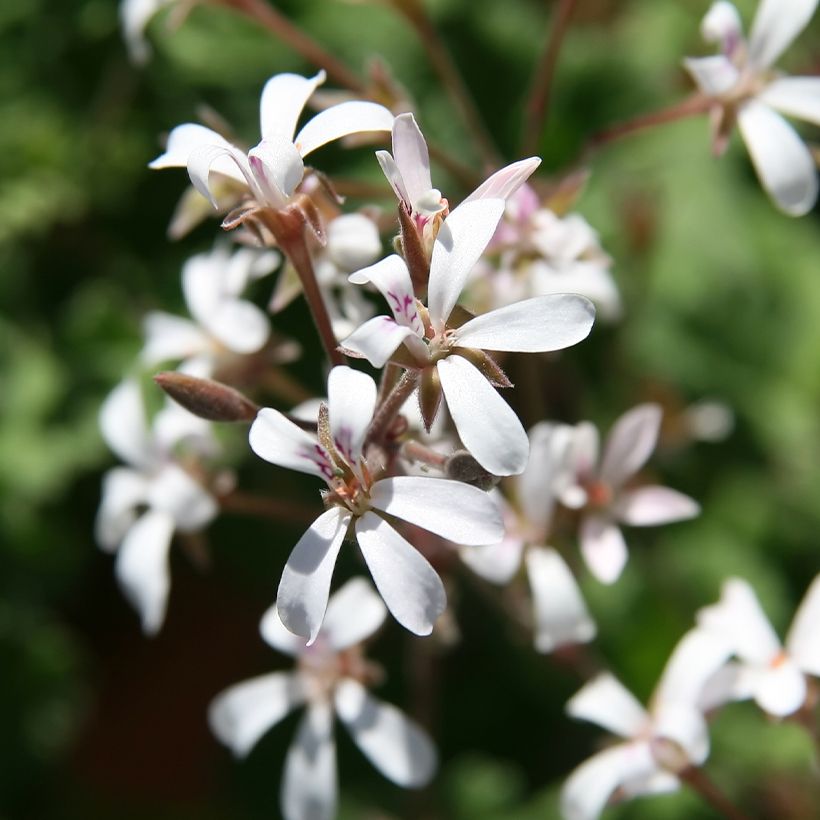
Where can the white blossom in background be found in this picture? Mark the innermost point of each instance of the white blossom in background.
(773, 674)
(223, 322)
(410, 587)
(134, 18)
(329, 679)
(747, 90)
(274, 168)
(434, 340)
(536, 252)
(560, 614)
(659, 742)
(154, 479)
(602, 491)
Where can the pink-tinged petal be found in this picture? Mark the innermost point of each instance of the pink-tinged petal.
(486, 424)
(122, 491)
(393, 743)
(305, 584)
(407, 583)
(124, 427)
(217, 157)
(561, 616)
(685, 726)
(803, 640)
(351, 403)
(533, 326)
(649, 506)
(185, 139)
(283, 99)
(278, 169)
(353, 614)
(775, 26)
(241, 714)
(588, 789)
(783, 163)
(340, 120)
(630, 443)
(451, 509)
(504, 183)
(461, 240)
(781, 689)
(603, 548)
(309, 784)
(278, 636)
(411, 157)
(739, 619)
(794, 96)
(176, 492)
(392, 279)
(377, 339)
(279, 441)
(142, 568)
(722, 25)
(391, 171)
(713, 75)
(606, 702)
(169, 337)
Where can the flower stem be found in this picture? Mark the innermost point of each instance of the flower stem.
(537, 108)
(390, 407)
(697, 779)
(279, 510)
(291, 35)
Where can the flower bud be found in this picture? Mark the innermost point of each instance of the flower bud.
(429, 396)
(461, 466)
(206, 398)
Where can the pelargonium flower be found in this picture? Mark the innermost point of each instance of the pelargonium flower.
(274, 168)
(330, 677)
(746, 89)
(212, 284)
(601, 490)
(449, 352)
(773, 674)
(410, 587)
(661, 742)
(154, 480)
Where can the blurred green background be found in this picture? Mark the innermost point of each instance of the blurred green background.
(722, 297)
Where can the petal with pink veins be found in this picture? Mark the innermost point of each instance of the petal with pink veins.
(392, 279)
(351, 403)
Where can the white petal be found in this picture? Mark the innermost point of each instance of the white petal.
(408, 584)
(486, 424)
(532, 326)
(177, 493)
(606, 702)
(277, 635)
(185, 139)
(603, 548)
(241, 714)
(283, 98)
(496, 563)
(783, 162)
(309, 784)
(781, 690)
(351, 402)
(205, 158)
(504, 183)
(648, 506)
(339, 121)
(174, 425)
(722, 25)
(392, 278)
(451, 509)
(803, 640)
(561, 616)
(377, 339)
(353, 241)
(277, 168)
(134, 18)
(589, 787)
(713, 75)
(279, 441)
(776, 24)
(240, 326)
(684, 725)
(305, 583)
(739, 619)
(123, 489)
(392, 742)
(354, 613)
(169, 337)
(142, 568)
(630, 443)
(795, 96)
(461, 240)
(124, 427)
(411, 157)
(391, 171)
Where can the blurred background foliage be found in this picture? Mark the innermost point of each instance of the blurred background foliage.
(722, 303)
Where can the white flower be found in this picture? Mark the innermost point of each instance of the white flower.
(447, 352)
(212, 284)
(274, 168)
(774, 675)
(660, 742)
(134, 18)
(155, 480)
(600, 489)
(410, 587)
(328, 679)
(745, 88)
(560, 614)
